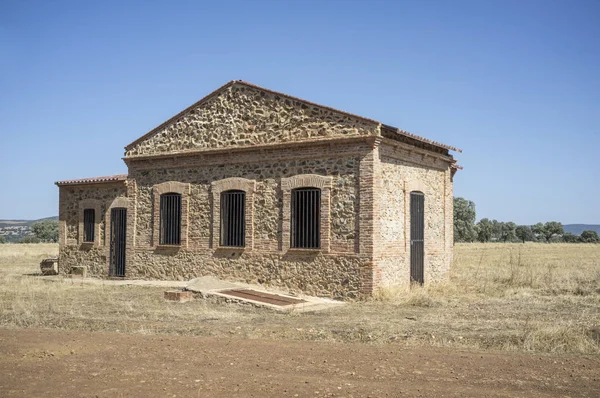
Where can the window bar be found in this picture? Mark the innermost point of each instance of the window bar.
(224, 217)
(238, 219)
(309, 216)
(235, 219)
(295, 217)
(313, 221)
(302, 209)
(319, 219)
(306, 217)
(243, 220)
(232, 213)
(168, 221)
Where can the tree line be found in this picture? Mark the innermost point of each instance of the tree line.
(465, 229)
(486, 230)
(43, 231)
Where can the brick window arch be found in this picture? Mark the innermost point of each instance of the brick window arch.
(170, 219)
(305, 218)
(233, 213)
(90, 219)
(306, 192)
(170, 214)
(233, 218)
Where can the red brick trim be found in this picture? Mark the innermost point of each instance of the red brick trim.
(242, 184)
(171, 187)
(324, 183)
(95, 204)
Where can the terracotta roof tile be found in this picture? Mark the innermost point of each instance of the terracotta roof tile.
(180, 114)
(93, 180)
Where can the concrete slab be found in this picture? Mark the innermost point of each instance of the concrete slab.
(210, 286)
(207, 284)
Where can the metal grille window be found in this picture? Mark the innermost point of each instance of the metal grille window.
(306, 218)
(417, 237)
(233, 218)
(170, 219)
(89, 222)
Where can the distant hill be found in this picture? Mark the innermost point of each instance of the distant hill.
(577, 229)
(14, 230)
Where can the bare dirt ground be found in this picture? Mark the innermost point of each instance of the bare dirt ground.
(511, 320)
(49, 362)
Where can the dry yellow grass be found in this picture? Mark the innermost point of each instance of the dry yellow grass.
(533, 297)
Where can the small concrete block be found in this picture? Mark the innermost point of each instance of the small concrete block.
(178, 295)
(49, 266)
(79, 271)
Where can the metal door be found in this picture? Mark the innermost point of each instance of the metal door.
(118, 235)
(417, 237)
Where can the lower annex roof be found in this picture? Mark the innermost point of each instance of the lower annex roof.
(93, 180)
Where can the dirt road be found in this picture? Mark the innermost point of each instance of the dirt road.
(84, 364)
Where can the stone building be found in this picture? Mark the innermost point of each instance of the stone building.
(253, 185)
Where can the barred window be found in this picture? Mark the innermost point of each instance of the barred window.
(89, 223)
(233, 218)
(306, 218)
(170, 219)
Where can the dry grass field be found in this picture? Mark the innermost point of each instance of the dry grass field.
(512, 297)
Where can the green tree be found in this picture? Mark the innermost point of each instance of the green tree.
(484, 230)
(539, 230)
(552, 228)
(2, 240)
(570, 238)
(464, 220)
(46, 230)
(508, 231)
(590, 236)
(524, 233)
(496, 230)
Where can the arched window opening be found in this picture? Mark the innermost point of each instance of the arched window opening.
(417, 237)
(233, 218)
(170, 219)
(306, 218)
(89, 225)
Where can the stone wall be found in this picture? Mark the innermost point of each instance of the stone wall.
(334, 273)
(241, 115)
(268, 202)
(73, 252)
(95, 259)
(318, 274)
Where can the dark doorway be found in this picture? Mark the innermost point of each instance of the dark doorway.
(118, 234)
(417, 235)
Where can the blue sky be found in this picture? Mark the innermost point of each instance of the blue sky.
(515, 84)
